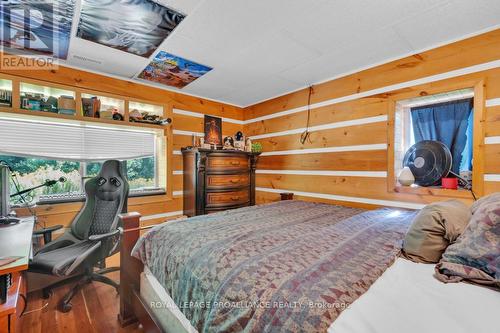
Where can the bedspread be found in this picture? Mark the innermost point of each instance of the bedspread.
(282, 267)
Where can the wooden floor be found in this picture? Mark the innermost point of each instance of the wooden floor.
(95, 309)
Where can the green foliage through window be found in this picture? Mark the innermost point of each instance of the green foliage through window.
(35, 171)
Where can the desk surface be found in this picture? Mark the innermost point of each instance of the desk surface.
(15, 240)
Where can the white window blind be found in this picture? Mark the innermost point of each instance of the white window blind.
(75, 141)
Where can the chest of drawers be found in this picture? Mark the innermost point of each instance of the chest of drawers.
(216, 180)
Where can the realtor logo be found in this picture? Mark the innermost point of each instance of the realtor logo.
(36, 30)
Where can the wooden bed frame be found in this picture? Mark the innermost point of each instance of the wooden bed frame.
(132, 307)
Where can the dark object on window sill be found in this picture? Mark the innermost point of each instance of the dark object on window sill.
(286, 196)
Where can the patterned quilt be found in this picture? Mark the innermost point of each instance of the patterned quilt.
(288, 266)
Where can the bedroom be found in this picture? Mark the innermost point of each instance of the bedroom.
(278, 166)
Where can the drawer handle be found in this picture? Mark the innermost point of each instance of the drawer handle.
(235, 163)
(235, 198)
(235, 181)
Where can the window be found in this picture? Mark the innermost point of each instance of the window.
(446, 117)
(30, 172)
(75, 150)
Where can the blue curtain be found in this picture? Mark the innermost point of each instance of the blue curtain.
(445, 122)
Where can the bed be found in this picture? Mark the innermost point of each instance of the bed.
(289, 266)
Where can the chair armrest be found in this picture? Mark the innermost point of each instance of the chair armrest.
(47, 232)
(105, 236)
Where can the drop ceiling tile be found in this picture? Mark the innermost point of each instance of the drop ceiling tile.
(185, 6)
(274, 53)
(104, 59)
(260, 49)
(369, 49)
(458, 18)
(266, 87)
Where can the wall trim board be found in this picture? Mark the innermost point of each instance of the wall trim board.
(188, 133)
(379, 146)
(492, 140)
(389, 203)
(372, 174)
(339, 124)
(492, 102)
(492, 177)
(159, 216)
(202, 115)
(428, 79)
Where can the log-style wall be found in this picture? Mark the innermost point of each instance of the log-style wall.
(187, 113)
(348, 157)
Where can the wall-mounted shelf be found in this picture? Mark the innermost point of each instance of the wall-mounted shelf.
(35, 97)
(5, 93)
(145, 113)
(40, 98)
(104, 107)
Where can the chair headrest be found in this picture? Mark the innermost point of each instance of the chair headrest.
(110, 181)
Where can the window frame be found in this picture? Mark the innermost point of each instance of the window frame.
(477, 141)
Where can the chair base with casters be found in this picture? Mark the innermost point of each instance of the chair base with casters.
(79, 254)
(81, 280)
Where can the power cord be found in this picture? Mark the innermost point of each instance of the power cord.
(305, 135)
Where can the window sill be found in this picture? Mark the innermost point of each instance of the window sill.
(436, 191)
(62, 199)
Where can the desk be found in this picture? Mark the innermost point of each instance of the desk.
(15, 240)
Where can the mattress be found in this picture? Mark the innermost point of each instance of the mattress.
(406, 298)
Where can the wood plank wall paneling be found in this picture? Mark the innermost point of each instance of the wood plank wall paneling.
(492, 120)
(480, 51)
(289, 112)
(492, 158)
(352, 161)
(346, 136)
(193, 124)
(64, 213)
(472, 51)
(491, 187)
(362, 108)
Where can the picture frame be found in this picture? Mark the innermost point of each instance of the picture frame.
(213, 130)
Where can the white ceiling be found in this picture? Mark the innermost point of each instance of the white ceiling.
(261, 49)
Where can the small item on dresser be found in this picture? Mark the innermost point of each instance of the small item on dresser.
(256, 147)
(204, 145)
(228, 143)
(239, 136)
(406, 177)
(213, 130)
(248, 145)
(286, 196)
(239, 145)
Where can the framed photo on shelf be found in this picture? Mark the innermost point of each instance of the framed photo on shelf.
(213, 130)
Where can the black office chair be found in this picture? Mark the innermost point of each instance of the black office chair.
(94, 235)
